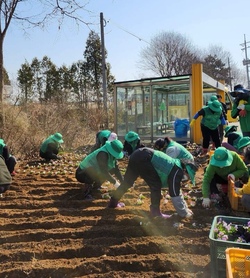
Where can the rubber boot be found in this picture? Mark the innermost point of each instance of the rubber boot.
(112, 203)
(180, 206)
(155, 212)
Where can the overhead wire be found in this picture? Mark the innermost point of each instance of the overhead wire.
(123, 29)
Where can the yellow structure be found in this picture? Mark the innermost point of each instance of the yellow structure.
(198, 78)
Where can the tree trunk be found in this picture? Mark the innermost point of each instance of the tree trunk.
(1, 87)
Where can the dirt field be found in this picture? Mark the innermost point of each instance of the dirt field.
(48, 230)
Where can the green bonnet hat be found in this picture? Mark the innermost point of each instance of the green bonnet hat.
(215, 106)
(2, 142)
(221, 157)
(213, 98)
(115, 148)
(58, 137)
(230, 129)
(131, 136)
(243, 142)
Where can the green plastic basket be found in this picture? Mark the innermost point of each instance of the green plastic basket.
(218, 247)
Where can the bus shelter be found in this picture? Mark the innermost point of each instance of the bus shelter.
(164, 106)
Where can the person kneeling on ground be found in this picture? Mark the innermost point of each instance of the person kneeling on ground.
(223, 165)
(101, 137)
(5, 177)
(51, 146)
(9, 159)
(98, 166)
(159, 171)
(132, 142)
(233, 138)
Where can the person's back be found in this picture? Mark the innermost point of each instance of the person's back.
(5, 177)
(50, 147)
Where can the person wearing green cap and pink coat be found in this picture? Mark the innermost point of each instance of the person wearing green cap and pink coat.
(132, 142)
(50, 147)
(223, 165)
(102, 136)
(212, 117)
(100, 166)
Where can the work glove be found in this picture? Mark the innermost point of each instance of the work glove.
(243, 113)
(117, 184)
(206, 202)
(192, 123)
(241, 106)
(237, 190)
(231, 177)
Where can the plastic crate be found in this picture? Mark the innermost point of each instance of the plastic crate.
(234, 199)
(238, 263)
(218, 247)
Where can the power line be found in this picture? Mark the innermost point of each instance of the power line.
(130, 33)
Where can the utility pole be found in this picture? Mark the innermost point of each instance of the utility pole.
(246, 61)
(230, 75)
(104, 73)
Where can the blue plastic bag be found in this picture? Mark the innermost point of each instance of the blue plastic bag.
(181, 127)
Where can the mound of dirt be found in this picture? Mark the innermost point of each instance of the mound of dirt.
(48, 230)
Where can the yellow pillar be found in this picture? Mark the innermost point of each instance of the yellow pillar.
(196, 101)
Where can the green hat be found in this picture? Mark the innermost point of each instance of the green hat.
(2, 142)
(58, 137)
(213, 98)
(215, 106)
(221, 157)
(131, 136)
(243, 142)
(230, 129)
(115, 148)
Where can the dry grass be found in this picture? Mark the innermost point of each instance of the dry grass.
(27, 126)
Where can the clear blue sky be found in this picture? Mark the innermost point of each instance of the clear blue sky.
(130, 25)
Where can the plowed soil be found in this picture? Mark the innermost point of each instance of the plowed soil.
(47, 229)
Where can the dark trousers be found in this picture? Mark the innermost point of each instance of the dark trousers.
(246, 133)
(11, 163)
(140, 165)
(221, 132)
(4, 187)
(207, 133)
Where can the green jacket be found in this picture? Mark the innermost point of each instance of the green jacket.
(163, 165)
(49, 145)
(211, 119)
(244, 121)
(238, 168)
(91, 161)
(176, 150)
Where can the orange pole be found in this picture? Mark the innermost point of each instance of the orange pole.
(196, 102)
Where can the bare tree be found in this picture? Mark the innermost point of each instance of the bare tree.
(18, 10)
(235, 75)
(169, 53)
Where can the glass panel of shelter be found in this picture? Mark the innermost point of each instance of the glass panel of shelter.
(133, 109)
